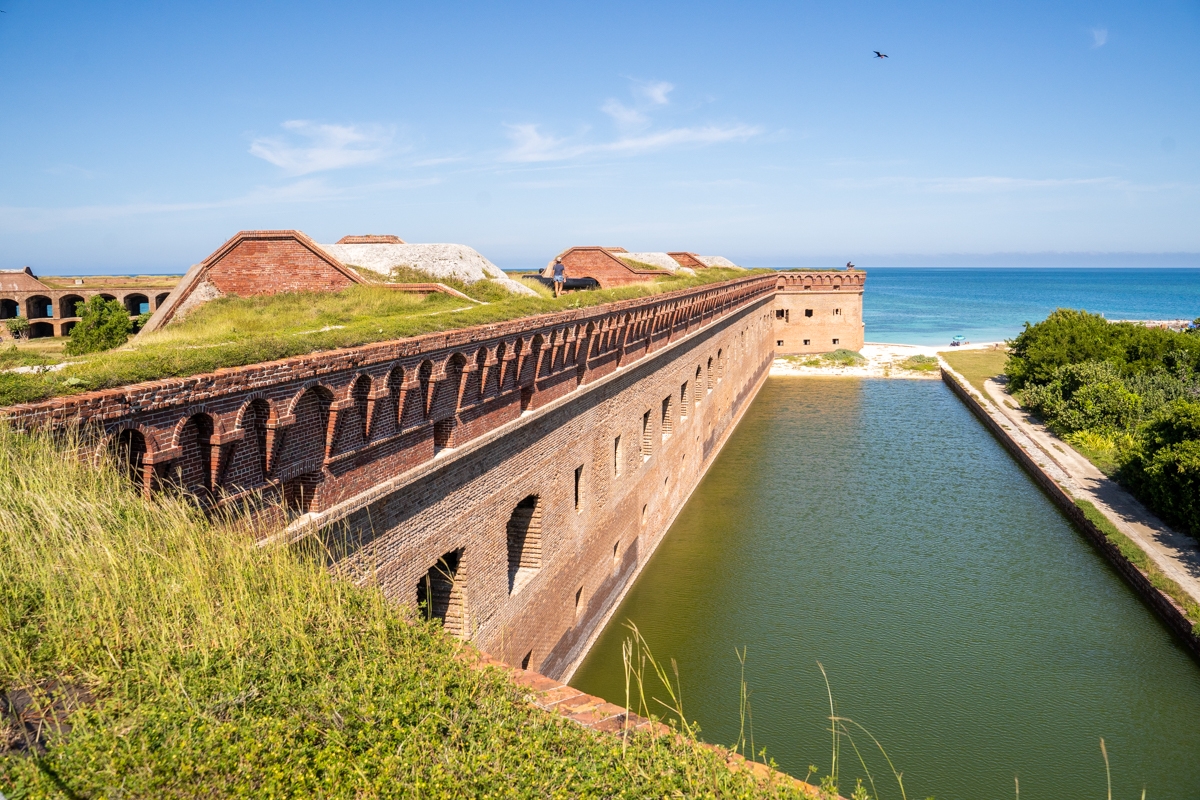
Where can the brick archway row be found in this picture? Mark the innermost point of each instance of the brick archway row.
(320, 428)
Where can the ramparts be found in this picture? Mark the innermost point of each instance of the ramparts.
(513, 477)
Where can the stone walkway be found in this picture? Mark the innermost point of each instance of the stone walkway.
(1175, 553)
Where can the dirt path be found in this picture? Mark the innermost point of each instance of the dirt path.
(1175, 553)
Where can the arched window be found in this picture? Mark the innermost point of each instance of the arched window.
(524, 533)
(440, 593)
(255, 422)
(307, 439)
(129, 452)
(425, 378)
(136, 304)
(9, 309)
(359, 394)
(70, 305)
(39, 307)
(195, 466)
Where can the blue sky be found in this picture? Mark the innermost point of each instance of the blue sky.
(140, 136)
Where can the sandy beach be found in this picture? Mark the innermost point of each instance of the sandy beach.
(882, 361)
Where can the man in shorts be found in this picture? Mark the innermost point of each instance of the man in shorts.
(560, 276)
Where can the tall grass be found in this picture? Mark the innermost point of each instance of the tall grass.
(209, 667)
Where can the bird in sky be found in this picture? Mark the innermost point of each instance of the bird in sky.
(879, 54)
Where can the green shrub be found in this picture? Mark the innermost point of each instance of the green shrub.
(1087, 396)
(103, 325)
(845, 357)
(1165, 471)
(18, 327)
(920, 363)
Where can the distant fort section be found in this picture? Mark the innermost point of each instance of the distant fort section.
(607, 267)
(52, 305)
(819, 311)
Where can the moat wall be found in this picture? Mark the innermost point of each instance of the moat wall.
(610, 466)
(478, 470)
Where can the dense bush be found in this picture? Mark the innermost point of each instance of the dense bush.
(103, 325)
(1126, 395)
(18, 327)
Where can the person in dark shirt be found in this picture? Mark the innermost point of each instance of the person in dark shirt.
(560, 276)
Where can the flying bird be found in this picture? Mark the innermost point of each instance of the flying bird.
(879, 54)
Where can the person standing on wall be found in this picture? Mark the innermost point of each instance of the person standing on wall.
(560, 276)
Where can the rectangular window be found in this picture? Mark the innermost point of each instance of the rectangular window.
(779, 342)
(806, 342)
(666, 418)
(617, 456)
(835, 341)
(646, 436)
(578, 597)
(779, 313)
(683, 400)
(837, 312)
(808, 312)
(578, 493)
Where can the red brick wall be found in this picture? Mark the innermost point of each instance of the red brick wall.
(601, 266)
(835, 302)
(270, 266)
(519, 404)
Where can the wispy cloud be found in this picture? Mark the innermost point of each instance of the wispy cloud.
(1099, 37)
(635, 131)
(654, 91)
(315, 147)
(529, 144)
(308, 190)
(983, 184)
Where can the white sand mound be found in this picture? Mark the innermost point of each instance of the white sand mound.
(717, 261)
(455, 261)
(660, 260)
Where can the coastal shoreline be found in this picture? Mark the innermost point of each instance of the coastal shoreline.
(883, 360)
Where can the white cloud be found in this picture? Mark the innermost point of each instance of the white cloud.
(624, 116)
(1099, 36)
(530, 145)
(315, 147)
(655, 91)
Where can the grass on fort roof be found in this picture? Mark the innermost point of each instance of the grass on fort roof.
(187, 662)
(234, 331)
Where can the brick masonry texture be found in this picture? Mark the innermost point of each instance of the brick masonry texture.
(818, 312)
(599, 264)
(404, 452)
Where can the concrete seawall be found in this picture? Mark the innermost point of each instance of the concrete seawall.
(1040, 467)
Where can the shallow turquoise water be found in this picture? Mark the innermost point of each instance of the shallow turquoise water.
(876, 527)
(928, 305)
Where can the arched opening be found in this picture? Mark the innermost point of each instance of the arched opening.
(720, 364)
(254, 420)
(195, 465)
(481, 373)
(137, 304)
(360, 393)
(668, 412)
(524, 532)
(159, 299)
(9, 309)
(501, 350)
(395, 387)
(129, 452)
(70, 305)
(425, 378)
(107, 296)
(39, 307)
(65, 329)
(710, 373)
(41, 330)
(440, 593)
(308, 437)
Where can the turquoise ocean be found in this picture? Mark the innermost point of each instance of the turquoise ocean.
(928, 305)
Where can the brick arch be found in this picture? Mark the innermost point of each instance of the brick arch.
(255, 418)
(110, 444)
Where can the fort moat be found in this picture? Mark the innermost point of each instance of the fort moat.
(877, 527)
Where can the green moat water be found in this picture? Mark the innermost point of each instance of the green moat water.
(876, 527)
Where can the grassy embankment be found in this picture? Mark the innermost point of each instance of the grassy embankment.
(838, 358)
(236, 331)
(189, 663)
(1137, 556)
(977, 365)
